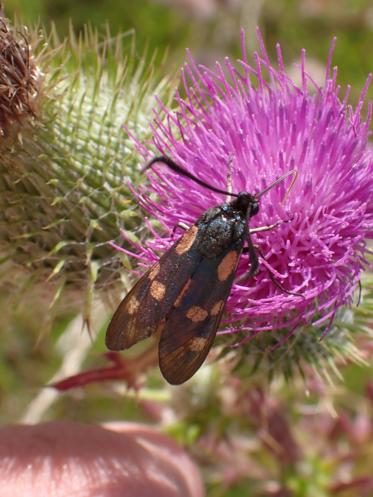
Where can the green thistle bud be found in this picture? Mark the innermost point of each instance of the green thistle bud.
(66, 159)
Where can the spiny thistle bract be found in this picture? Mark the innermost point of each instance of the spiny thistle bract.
(66, 159)
(257, 119)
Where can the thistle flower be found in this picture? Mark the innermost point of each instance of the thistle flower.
(256, 120)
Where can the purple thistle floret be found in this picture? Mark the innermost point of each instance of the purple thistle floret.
(256, 117)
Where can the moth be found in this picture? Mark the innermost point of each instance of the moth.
(181, 298)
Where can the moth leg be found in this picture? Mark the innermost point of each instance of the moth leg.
(253, 251)
(270, 226)
(275, 282)
(265, 228)
(254, 261)
(182, 226)
(229, 178)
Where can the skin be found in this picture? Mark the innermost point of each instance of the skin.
(117, 460)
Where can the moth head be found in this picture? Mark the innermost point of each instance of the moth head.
(246, 203)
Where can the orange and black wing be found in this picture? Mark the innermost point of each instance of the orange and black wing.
(150, 300)
(191, 325)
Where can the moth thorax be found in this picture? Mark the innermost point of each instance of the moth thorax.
(220, 234)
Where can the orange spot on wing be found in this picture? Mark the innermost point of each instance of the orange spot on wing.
(153, 273)
(197, 344)
(186, 241)
(227, 265)
(217, 307)
(157, 290)
(133, 305)
(196, 314)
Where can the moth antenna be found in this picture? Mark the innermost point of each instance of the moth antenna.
(293, 172)
(295, 177)
(180, 170)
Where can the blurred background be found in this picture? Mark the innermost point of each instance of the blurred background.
(210, 28)
(29, 359)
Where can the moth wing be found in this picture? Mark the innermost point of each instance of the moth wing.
(147, 304)
(123, 331)
(190, 327)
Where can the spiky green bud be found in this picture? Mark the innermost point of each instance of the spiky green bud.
(66, 159)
